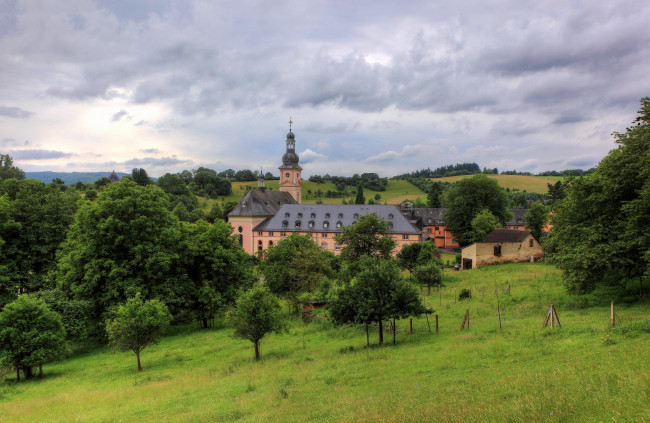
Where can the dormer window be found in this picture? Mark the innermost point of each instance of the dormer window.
(326, 224)
(327, 215)
(287, 215)
(313, 215)
(310, 224)
(298, 223)
(299, 215)
(285, 223)
(340, 215)
(338, 224)
(390, 216)
(390, 225)
(356, 215)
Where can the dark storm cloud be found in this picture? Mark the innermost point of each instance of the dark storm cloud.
(38, 154)
(14, 112)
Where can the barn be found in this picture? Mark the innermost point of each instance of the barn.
(503, 246)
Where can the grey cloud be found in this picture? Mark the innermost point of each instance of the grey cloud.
(38, 154)
(15, 112)
(119, 115)
(569, 118)
(335, 128)
(150, 151)
(155, 161)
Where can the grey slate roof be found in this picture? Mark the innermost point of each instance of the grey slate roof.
(506, 235)
(262, 203)
(313, 217)
(435, 216)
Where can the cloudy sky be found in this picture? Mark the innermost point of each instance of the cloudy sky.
(380, 86)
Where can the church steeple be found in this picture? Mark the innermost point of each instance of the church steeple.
(290, 169)
(261, 184)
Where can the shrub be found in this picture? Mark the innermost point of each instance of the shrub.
(464, 293)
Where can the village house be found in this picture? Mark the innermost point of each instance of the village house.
(502, 246)
(264, 217)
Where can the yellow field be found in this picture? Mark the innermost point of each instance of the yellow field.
(518, 182)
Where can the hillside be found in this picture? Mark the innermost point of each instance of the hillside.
(514, 182)
(70, 178)
(581, 372)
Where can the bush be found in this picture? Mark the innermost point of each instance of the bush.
(459, 258)
(464, 293)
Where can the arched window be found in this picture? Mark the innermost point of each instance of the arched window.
(311, 224)
(240, 229)
(338, 224)
(340, 215)
(326, 224)
(390, 216)
(287, 215)
(313, 215)
(327, 215)
(356, 215)
(270, 243)
(323, 246)
(285, 223)
(299, 215)
(298, 223)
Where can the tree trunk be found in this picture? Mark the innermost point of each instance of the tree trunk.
(257, 350)
(27, 371)
(367, 336)
(40, 370)
(205, 323)
(381, 332)
(394, 330)
(137, 354)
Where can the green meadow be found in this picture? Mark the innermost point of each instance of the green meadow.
(583, 371)
(538, 184)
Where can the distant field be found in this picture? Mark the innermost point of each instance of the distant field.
(396, 192)
(583, 372)
(519, 182)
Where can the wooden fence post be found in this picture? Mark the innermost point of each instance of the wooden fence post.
(552, 316)
(436, 323)
(498, 312)
(411, 323)
(612, 315)
(465, 320)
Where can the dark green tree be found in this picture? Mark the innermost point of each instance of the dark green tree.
(360, 199)
(213, 267)
(206, 183)
(30, 335)
(433, 197)
(536, 218)
(484, 223)
(417, 254)
(34, 221)
(8, 170)
(141, 177)
(368, 237)
(215, 214)
(467, 198)
(180, 211)
(429, 274)
(555, 192)
(126, 242)
(137, 324)
(256, 314)
(294, 265)
(601, 229)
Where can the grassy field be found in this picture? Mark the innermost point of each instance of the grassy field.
(517, 182)
(396, 192)
(581, 372)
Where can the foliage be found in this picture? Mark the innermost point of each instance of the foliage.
(74, 313)
(137, 324)
(368, 237)
(444, 171)
(417, 254)
(212, 268)
(465, 200)
(360, 199)
(464, 294)
(34, 221)
(429, 275)
(484, 223)
(294, 265)
(256, 313)
(141, 177)
(8, 170)
(30, 334)
(555, 192)
(377, 293)
(180, 211)
(126, 242)
(536, 218)
(206, 183)
(433, 196)
(601, 229)
(176, 188)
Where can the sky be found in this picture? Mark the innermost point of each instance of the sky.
(371, 86)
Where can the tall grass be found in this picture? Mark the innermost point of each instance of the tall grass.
(584, 371)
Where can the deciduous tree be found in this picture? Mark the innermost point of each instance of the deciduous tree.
(536, 218)
(138, 324)
(484, 223)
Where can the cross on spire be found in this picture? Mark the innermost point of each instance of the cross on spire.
(290, 122)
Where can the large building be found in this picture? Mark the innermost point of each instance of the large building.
(264, 217)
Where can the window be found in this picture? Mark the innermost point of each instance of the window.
(323, 246)
(428, 230)
(241, 240)
(310, 224)
(390, 225)
(286, 175)
(530, 242)
(324, 235)
(337, 247)
(271, 234)
(270, 243)
(338, 224)
(405, 237)
(326, 224)
(259, 234)
(497, 250)
(340, 215)
(356, 215)
(327, 215)
(299, 215)
(287, 215)
(390, 216)
(259, 248)
(285, 223)
(283, 234)
(437, 228)
(240, 229)
(313, 215)
(298, 223)
(259, 243)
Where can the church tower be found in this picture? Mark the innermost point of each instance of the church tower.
(290, 170)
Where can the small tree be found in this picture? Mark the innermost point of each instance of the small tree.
(536, 218)
(428, 275)
(30, 335)
(360, 199)
(484, 223)
(138, 324)
(256, 313)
